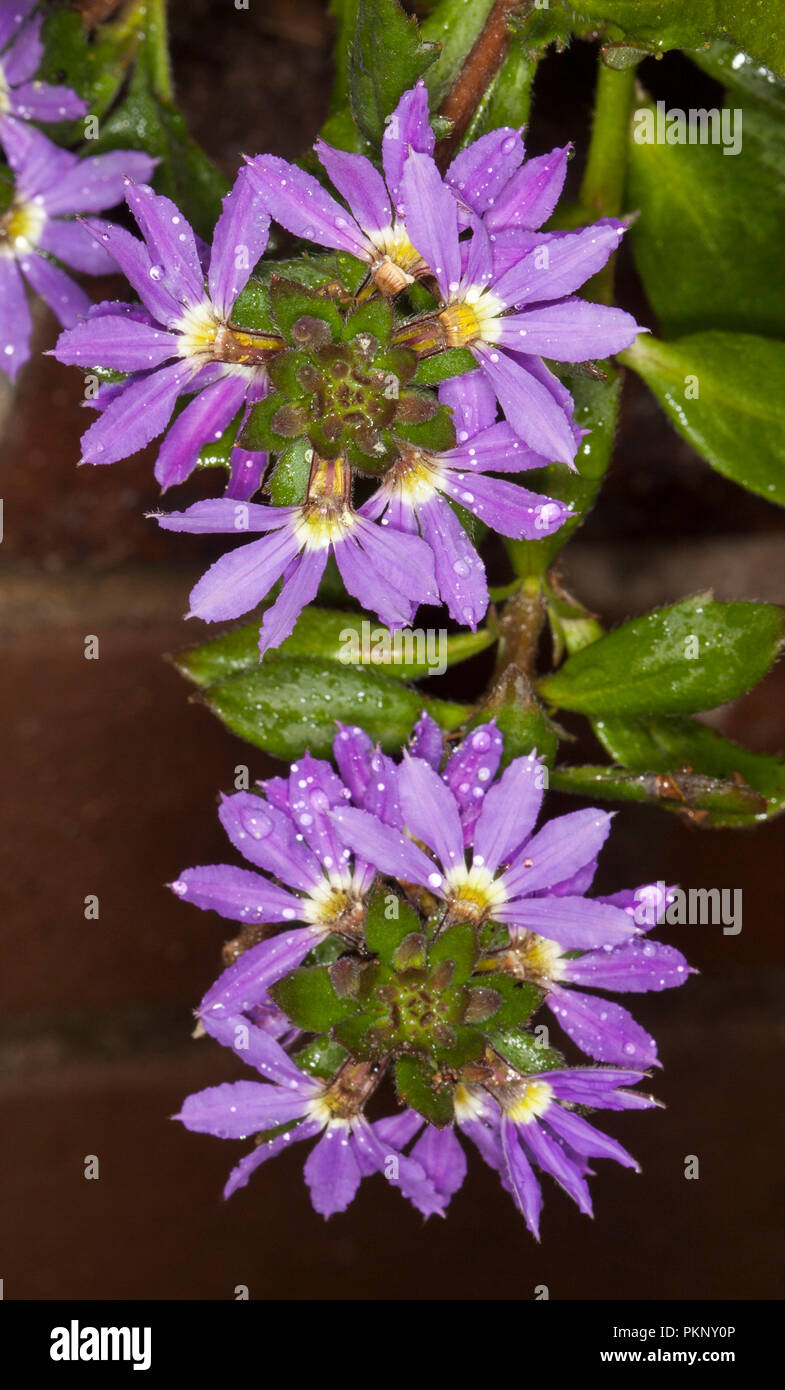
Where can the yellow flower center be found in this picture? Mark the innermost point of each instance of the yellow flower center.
(530, 1101)
(474, 317)
(399, 263)
(198, 329)
(414, 477)
(473, 893)
(21, 227)
(539, 957)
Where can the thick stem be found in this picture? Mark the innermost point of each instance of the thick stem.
(479, 70)
(602, 189)
(158, 49)
(520, 626)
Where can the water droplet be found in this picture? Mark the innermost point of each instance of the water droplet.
(156, 272)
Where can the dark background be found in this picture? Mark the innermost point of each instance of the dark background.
(111, 789)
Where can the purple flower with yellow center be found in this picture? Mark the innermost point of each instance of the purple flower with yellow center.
(491, 865)
(418, 489)
(510, 320)
(287, 833)
(374, 228)
(37, 230)
(21, 51)
(300, 1106)
(180, 341)
(390, 573)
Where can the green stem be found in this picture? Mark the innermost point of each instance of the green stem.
(158, 49)
(604, 179)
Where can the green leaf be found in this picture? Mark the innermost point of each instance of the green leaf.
(459, 945)
(326, 633)
(321, 1057)
(290, 704)
(741, 73)
(455, 25)
(707, 241)
(252, 309)
(723, 392)
(288, 485)
(386, 58)
(596, 410)
(518, 1000)
(92, 65)
(664, 24)
(524, 1052)
(662, 745)
(691, 656)
(217, 452)
(416, 1086)
(452, 362)
(383, 934)
(685, 792)
(292, 300)
(375, 316)
(437, 434)
(307, 997)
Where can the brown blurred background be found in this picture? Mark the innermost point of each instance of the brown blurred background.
(111, 786)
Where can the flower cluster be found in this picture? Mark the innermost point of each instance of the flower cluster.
(323, 371)
(408, 919)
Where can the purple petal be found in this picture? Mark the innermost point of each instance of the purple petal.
(430, 811)
(427, 741)
(460, 573)
(552, 1158)
(298, 201)
(363, 577)
(242, 578)
(432, 220)
(470, 770)
(408, 128)
(577, 924)
(528, 405)
(245, 983)
(532, 193)
(24, 55)
(495, 449)
(239, 240)
(133, 258)
(331, 1171)
(525, 1187)
(571, 331)
(561, 265)
(602, 1029)
(510, 809)
(314, 789)
(404, 560)
(585, 1139)
(204, 418)
(386, 848)
(598, 1086)
(16, 325)
(477, 258)
(98, 182)
(577, 884)
(12, 17)
(472, 402)
(132, 419)
(242, 1171)
(352, 749)
(170, 243)
(440, 1154)
(411, 1177)
(36, 161)
(256, 1047)
(398, 1129)
(299, 589)
(267, 838)
(66, 300)
(73, 243)
(224, 514)
(238, 894)
(116, 342)
(38, 101)
(236, 1109)
(480, 173)
(636, 967)
(557, 850)
(507, 507)
(359, 184)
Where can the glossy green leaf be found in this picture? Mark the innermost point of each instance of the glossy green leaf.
(94, 65)
(252, 309)
(707, 241)
(307, 997)
(691, 656)
(417, 1085)
(321, 1057)
(290, 704)
(453, 362)
(724, 394)
(662, 24)
(741, 73)
(386, 58)
(675, 791)
(459, 945)
(524, 1052)
(322, 632)
(517, 1001)
(666, 744)
(387, 924)
(217, 452)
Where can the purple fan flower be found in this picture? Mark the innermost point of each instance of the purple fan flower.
(417, 490)
(510, 320)
(375, 229)
(521, 1124)
(51, 185)
(349, 1148)
(21, 51)
(179, 341)
(490, 866)
(390, 573)
(288, 834)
